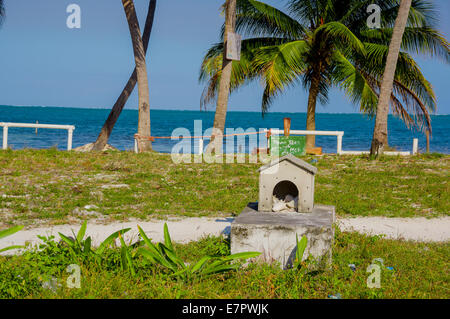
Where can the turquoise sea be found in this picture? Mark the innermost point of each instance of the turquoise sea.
(358, 128)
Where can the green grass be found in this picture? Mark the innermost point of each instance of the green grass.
(53, 187)
(419, 271)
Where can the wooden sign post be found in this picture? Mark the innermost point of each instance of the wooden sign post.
(287, 126)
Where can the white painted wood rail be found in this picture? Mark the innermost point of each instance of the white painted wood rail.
(69, 128)
(339, 135)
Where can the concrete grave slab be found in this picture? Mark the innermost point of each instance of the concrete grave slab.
(274, 234)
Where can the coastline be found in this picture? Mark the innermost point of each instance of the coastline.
(357, 127)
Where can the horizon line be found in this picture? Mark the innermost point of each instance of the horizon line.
(182, 110)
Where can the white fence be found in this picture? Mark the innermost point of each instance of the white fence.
(415, 150)
(339, 135)
(69, 128)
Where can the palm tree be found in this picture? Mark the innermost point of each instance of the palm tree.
(108, 126)
(2, 11)
(141, 72)
(224, 82)
(327, 43)
(379, 140)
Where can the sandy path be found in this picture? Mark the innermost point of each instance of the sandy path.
(181, 230)
(189, 229)
(417, 229)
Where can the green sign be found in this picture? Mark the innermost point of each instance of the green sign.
(284, 145)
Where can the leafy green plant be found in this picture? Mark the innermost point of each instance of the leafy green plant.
(82, 248)
(21, 276)
(165, 256)
(8, 232)
(301, 246)
(210, 246)
(126, 258)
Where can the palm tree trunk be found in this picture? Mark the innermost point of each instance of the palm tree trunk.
(108, 126)
(142, 79)
(311, 112)
(2, 11)
(380, 133)
(224, 84)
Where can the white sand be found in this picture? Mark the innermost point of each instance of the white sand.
(190, 229)
(181, 230)
(417, 229)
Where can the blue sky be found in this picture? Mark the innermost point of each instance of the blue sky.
(42, 62)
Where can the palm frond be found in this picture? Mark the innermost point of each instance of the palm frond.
(399, 110)
(422, 13)
(356, 12)
(424, 40)
(308, 12)
(243, 71)
(342, 35)
(258, 19)
(358, 86)
(408, 74)
(279, 66)
(412, 93)
(413, 98)
(412, 105)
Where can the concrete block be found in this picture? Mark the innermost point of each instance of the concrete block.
(274, 234)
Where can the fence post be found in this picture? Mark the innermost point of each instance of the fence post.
(5, 137)
(339, 144)
(200, 146)
(415, 146)
(136, 145)
(69, 139)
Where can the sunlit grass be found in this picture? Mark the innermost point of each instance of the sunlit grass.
(419, 270)
(53, 187)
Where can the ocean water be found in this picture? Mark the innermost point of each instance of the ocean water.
(357, 128)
